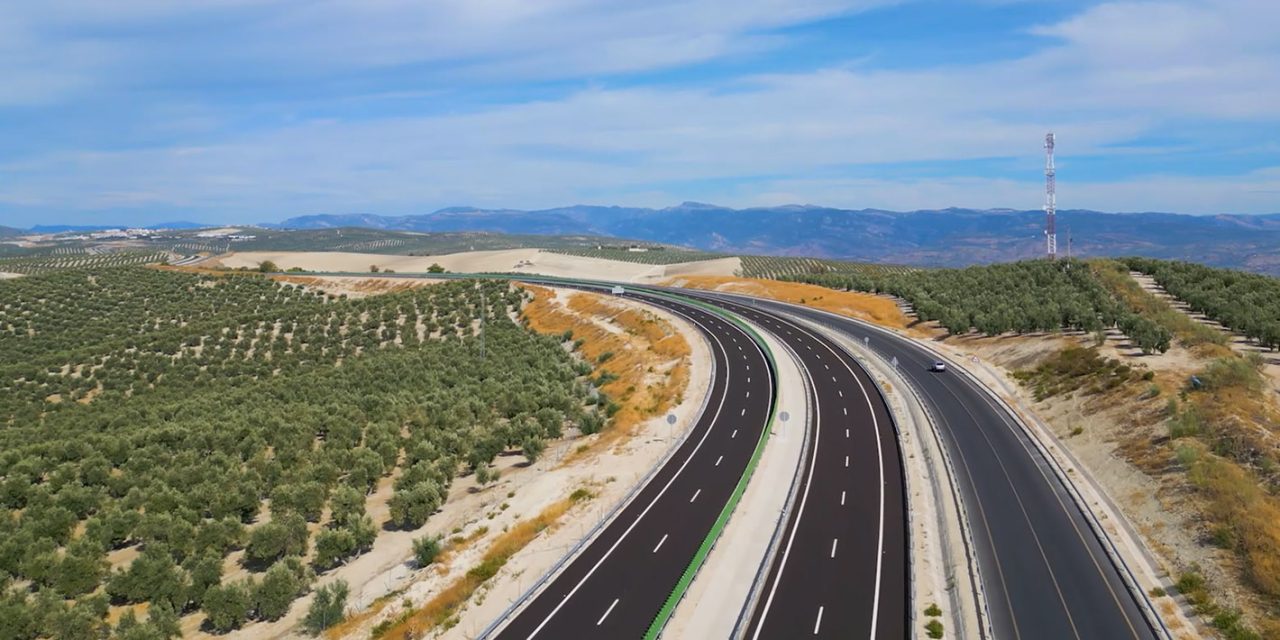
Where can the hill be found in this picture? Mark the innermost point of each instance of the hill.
(946, 237)
(378, 240)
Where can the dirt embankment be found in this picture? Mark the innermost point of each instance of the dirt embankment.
(500, 537)
(878, 309)
(1176, 491)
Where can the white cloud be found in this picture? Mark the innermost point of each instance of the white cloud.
(1115, 72)
(158, 43)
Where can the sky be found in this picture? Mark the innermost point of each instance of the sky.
(144, 111)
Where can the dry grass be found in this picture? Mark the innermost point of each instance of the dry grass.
(1247, 516)
(445, 604)
(646, 357)
(865, 306)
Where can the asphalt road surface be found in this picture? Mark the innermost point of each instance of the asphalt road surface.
(1045, 573)
(617, 584)
(841, 569)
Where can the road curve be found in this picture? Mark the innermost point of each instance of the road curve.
(616, 585)
(841, 570)
(1044, 571)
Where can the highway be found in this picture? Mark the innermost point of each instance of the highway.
(1044, 571)
(616, 585)
(841, 571)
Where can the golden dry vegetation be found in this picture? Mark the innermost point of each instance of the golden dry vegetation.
(1211, 446)
(644, 358)
(864, 306)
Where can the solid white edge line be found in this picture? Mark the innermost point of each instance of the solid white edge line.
(875, 422)
(791, 538)
(616, 543)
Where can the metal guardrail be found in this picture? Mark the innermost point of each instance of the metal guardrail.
(1126, 572)
(695, 565)
(591, 535)
(757, 581)
(974, 571)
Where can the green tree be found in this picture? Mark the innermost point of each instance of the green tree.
(267, 266)
(276, 539)
(533, 447)
(77, 622)
(205, 571)
(327, 607)
(278, 588)
(346, 505)
(226, 606)
(17, 620)
(332, 547)
(410, 509)
(79, 573)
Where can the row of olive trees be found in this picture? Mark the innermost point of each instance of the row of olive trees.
(1247, 303)
(265, 400)
(1021, 297)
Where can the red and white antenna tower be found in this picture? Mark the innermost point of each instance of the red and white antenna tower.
(1050, 199)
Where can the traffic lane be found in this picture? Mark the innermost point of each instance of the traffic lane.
(618, 587)
(1072, 590)
(1064, 576)
(829, 582)
(539, 611)
(664, 542)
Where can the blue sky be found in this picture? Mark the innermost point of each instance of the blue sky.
(254, 110)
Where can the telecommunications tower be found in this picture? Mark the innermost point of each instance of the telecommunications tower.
(1050, 199)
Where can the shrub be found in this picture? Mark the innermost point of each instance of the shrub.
(1232, 371)
(426, 549)
(934, 628)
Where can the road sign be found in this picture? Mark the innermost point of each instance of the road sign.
(671, 418)
(894, 362)
(866, 341)
(784, 416)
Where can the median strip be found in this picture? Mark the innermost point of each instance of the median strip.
(686, 579)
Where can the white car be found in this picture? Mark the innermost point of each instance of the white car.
(938, 366)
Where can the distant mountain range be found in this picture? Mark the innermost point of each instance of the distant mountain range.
(78, 228)
(947, 237)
